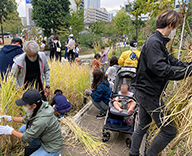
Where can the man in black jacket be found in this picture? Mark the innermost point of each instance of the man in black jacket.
(155, 68)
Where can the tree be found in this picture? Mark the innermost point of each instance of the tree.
(15, 26)
(77, 19)
(122, 22)
(136, 13)
(6, 7)
(98, 27)
(50, 14)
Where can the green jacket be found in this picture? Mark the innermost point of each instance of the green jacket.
(46, 128)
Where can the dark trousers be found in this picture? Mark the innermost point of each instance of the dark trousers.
(71, 55)
(58, 56)
(151, 108)
(52, 53)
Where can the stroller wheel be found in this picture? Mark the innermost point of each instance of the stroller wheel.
(106, 136)
(128, 142)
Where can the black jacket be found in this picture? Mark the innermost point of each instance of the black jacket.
(156, 66)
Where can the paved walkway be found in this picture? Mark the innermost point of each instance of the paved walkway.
(117, 145)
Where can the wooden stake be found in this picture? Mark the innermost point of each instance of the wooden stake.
(182, 34)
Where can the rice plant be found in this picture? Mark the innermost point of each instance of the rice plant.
(71, 79)
(90, 143)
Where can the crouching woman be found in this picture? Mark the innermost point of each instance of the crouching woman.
(101, 93)
(42, 127)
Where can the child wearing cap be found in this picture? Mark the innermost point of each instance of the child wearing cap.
(60, 103)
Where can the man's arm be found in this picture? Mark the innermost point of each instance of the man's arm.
(157, 63)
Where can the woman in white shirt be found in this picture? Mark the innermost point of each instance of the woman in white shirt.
(112, 70)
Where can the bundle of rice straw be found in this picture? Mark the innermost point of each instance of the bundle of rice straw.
(90, 143)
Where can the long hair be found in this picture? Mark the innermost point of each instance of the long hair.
(113, 61)
(98, 77)
(39, 103)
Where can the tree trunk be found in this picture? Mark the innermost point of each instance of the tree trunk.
(2, 30)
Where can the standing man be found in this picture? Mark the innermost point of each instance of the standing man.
(71, 46)
(51, 46)
(103, 59)
(31, 68)
(7, 53)
(130, 57)
(155, 68)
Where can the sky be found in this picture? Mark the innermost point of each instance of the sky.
(108, 4)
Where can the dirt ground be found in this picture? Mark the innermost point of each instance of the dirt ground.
(116, 143)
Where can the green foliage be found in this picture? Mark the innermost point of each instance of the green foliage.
(111, 32)
(133, 9)
(6, 7)
(13, 23)
(88, 39)
(98, 27)
(154, 7)
(50, 14)
(122, 22)
(76, 21)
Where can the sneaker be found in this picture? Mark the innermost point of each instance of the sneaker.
(60, 116)
(101, 115)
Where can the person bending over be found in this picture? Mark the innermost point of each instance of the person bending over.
(121, 103)
(60, 104)
(42, 127)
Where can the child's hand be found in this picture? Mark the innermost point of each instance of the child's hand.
(130, 100)
(113, 100)
(88, 92)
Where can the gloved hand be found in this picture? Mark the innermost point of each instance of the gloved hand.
(6, 116)
(6, 130)
(88, 92)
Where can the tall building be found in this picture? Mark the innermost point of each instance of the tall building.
(92, 15)
(29, 7)
(95, 3)
(24, 21)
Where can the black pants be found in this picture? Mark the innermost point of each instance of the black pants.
(52, 53)
(58, 56)
(152, 108)
(71, 55)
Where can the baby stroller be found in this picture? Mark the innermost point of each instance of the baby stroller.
(114, 119)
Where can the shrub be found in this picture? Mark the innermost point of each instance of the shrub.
(88, 39)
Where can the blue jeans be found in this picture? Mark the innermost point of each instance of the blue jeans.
(40, 151)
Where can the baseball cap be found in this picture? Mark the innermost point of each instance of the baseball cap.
(71, 35)
(133, 43)
(29, 97)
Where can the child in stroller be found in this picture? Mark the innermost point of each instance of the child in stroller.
(121, 103)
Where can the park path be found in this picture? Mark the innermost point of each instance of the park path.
(89, 123)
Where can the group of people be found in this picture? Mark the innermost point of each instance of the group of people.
(154, 69)
(103, 79)
(30, 69)
(55, 47)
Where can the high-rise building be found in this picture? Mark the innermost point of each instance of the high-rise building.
(95, 3)
(92, 15)
(29, 7)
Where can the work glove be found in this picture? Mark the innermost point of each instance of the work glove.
(88, 92)
(6, 116)
(6, 130)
